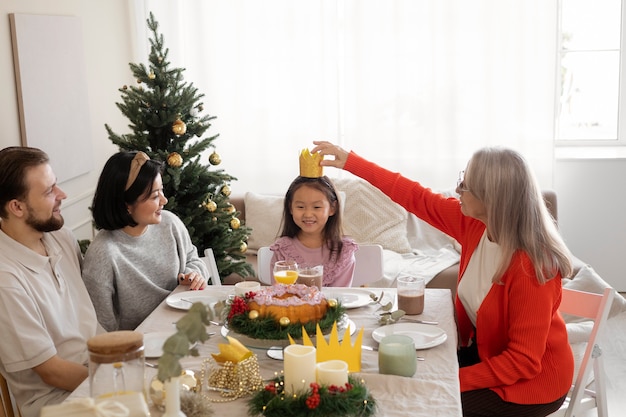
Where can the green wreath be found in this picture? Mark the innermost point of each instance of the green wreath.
(352, 400)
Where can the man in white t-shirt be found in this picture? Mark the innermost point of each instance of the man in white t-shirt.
(46, 315)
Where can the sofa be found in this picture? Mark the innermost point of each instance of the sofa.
(369, 216)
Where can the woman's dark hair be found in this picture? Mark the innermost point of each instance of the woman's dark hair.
(110, 201)
(333, 230)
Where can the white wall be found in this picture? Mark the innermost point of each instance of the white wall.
(591, 201)
(107, 32)
(590, 191)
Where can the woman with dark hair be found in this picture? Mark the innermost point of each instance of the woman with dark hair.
(141, 252)
(312, 231)
(514, 355)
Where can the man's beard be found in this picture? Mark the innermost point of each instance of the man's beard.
(48, 225)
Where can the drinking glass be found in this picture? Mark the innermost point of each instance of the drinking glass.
(311, 275)
(411, 294)
(286, 272)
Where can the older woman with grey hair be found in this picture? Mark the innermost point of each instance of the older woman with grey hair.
(514, 355)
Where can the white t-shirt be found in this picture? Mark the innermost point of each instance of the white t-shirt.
(45, 310)
(476, 281)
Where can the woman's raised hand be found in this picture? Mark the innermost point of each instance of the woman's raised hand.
(327, 148)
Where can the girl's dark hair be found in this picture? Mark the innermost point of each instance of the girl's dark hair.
(333, 229)
(110, 201)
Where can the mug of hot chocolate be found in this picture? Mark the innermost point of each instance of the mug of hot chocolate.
(411, 294)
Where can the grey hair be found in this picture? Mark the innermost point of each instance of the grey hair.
(517, 216)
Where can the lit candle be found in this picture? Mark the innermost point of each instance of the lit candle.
(334, 372)
(299, 368)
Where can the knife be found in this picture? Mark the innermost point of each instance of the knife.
(420, 321)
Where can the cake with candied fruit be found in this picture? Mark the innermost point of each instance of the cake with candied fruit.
(277, 312)
(298, 302)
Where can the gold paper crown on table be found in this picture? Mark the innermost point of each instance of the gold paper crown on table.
(325, 351)
(310, 164)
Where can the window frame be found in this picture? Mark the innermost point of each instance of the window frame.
(620, 140)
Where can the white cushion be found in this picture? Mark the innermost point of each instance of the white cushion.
(263, 215)
(588, 280)
(370, 217)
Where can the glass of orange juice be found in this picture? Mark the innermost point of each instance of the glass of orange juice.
(286, 272)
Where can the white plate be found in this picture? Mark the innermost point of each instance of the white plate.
(349, 298)
(267, 343)
(424, 335)
(153, 343)
(184, 300)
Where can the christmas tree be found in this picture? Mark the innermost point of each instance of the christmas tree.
(166, 120)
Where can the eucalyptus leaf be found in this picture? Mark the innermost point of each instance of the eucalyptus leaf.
(387, 306)
(395, 315)
(169, 366)
(177, 344)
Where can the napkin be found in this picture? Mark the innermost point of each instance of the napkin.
(126, 405)
(399, 396)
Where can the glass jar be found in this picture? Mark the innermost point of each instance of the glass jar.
(116, 363)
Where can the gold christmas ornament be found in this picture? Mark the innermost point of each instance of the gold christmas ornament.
(215, 159)
(235, 223)
(179, 127)
(332, 303)
(284, 321)
(214, 219)
(243, 247)
(211, 206)
(253, 314)
(230, 209)
(174, 160)
(226, 190)
(151, 75)
(124, 87)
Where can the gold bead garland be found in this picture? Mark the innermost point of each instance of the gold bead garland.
(233, 380)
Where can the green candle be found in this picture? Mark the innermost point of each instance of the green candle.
(396, 356)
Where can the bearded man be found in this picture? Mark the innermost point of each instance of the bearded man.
(46, 315)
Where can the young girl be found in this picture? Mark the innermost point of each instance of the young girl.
(312, 231)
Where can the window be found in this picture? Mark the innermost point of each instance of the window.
(589, 62)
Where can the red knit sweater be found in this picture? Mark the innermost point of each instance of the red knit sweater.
(521, 337)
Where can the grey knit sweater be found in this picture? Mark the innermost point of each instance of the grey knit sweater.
(127, 277)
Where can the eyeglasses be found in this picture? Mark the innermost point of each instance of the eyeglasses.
(460, 183)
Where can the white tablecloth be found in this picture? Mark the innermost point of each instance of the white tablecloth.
(432, 391)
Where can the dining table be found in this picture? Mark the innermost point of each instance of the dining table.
(432, 391)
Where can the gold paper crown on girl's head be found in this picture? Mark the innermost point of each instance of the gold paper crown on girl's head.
(310, 164)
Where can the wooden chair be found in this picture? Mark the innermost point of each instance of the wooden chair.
(369, 265)
(7, 402)
(209, 261)
(581, 396)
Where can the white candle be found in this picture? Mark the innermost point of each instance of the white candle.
(334, 372)
(299, 368)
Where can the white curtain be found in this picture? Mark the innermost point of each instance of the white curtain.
(414, 85)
